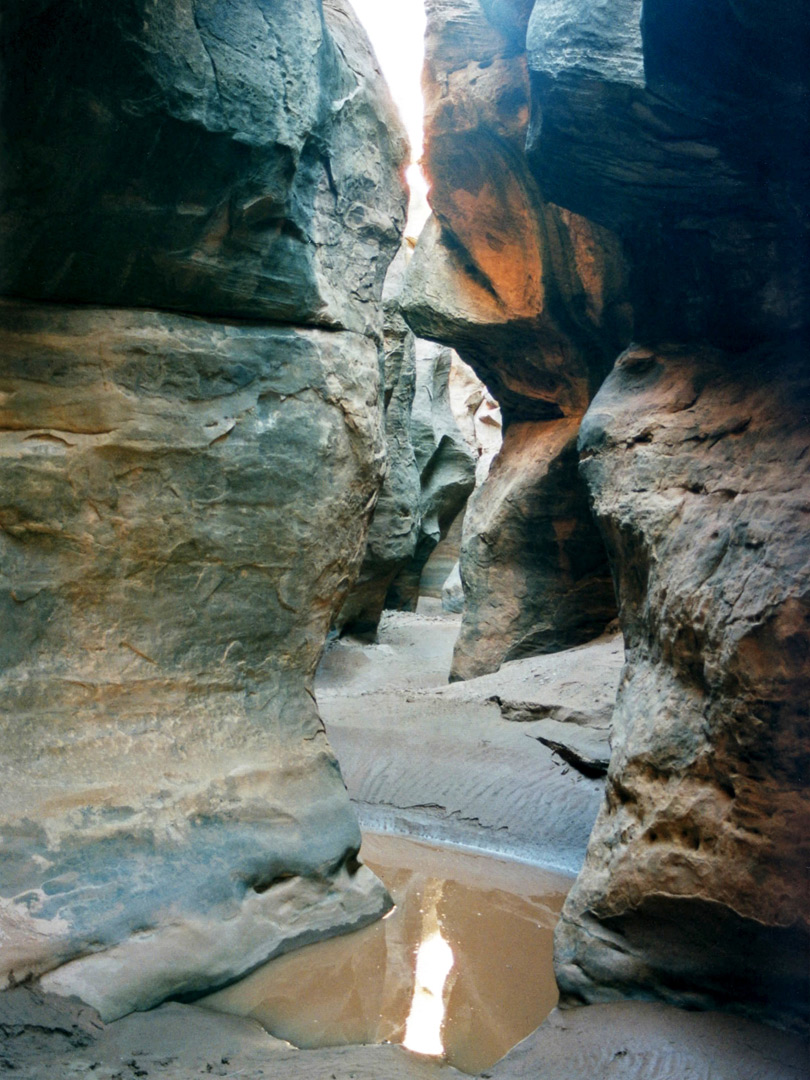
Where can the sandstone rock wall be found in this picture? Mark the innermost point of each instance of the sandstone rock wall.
(223, 159)
(532, 576)
(430, 468)
(395, 524)
(532, 298)
(199, 204)
(695, 885)
(673, 136)
(446, 463)
(695, 888)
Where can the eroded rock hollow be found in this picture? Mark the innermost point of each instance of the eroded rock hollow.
(200, 202)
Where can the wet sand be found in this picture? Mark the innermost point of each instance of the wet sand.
(442, 763)
(491, 919)
(421, 757)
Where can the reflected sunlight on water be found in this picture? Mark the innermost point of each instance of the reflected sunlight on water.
(461, 969)
(434, 961)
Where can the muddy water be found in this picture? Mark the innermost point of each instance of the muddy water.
(460, 969)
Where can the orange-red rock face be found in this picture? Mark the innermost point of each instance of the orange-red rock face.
(532, 296)
(675, 134)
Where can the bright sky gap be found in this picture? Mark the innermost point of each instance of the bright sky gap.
(397, 32)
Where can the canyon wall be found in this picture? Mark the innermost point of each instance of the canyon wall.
(446, 461)
(395, 524)
(430, 469)
(531, 296)
(668, 142)
(199, 205)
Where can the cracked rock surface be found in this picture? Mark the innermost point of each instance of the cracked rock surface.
(237, 160)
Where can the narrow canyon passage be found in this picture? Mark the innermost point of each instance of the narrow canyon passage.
(405, 596)
(494, 918)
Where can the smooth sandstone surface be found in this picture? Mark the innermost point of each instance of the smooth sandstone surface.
(446, 461)
(531, 296)
(199, 206)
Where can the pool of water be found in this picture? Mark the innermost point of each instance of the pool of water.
(461, 969)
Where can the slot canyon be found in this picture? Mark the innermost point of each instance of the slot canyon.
(405, 640)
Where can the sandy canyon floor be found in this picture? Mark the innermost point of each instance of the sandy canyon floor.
(508, 764)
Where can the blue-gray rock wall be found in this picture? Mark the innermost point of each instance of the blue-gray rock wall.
(199, 204)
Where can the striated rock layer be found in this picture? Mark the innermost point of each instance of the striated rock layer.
(185, 496)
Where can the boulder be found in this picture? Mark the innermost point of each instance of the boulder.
(670, 139)
(680, 128)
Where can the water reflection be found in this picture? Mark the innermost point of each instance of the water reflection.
(461, 969)
(434, 961)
